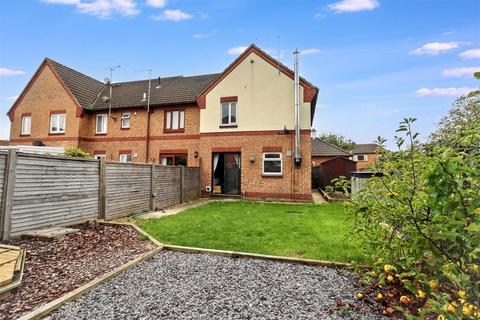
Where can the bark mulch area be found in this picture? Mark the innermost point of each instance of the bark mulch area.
(56, 267)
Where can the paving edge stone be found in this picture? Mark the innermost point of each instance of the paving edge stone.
(236, 254)
(57, 303)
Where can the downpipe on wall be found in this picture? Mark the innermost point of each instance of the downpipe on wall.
(297, 157)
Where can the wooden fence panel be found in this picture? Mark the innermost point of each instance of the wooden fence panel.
(3, 167)
(191, 183)
(52, 191)
(127, 189)
(167, 186)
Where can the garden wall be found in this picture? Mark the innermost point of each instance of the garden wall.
(39, 191)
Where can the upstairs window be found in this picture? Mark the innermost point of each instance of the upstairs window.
(360, 157)
(57, 123)
(272, 164)
(125, 122)
(229, 113)
(26, 124)
(174, 120)
(101, 126)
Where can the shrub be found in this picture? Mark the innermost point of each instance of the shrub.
(422, 216)
(75, 153)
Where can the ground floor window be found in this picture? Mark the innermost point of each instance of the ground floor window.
(100, 156)
(125, 157)
(272, 164)
(174, 160)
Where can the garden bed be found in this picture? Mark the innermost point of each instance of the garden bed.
(56, 267)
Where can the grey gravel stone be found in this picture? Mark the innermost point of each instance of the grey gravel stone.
(173, 285)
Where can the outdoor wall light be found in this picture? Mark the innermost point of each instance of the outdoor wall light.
(252, 159)
(195, 154)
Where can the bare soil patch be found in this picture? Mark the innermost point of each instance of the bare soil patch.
(56, 267)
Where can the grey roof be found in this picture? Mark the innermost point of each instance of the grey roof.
(174, 90)
(83, 87)
(322, 148)
(365, 148)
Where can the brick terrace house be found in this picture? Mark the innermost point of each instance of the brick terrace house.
(365, 155)
(323, 151)
(236, 125)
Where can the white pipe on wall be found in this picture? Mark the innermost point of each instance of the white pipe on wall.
(297, 155)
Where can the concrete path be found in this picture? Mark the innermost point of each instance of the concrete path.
(318, 197)
(173, 210)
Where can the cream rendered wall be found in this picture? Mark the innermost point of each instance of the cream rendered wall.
(265, 99)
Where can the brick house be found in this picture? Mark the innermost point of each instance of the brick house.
(237, 125)
(365, 155)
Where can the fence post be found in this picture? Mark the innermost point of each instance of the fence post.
(102, 191)
(152, 188)
(182, 175)
(8, 193)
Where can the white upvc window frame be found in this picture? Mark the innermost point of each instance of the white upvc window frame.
(26, 125)
(365, 157)
(230, 123)
(60, 121)
(104, 125)
(280, 158)
(100, 156)
(125, 116)
(123, 157)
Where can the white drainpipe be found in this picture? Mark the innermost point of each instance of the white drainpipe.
(297, 155)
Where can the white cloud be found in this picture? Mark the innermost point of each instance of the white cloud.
(237, 50)
(423, 92)
(156, 3)
(460, 72)
(204, 35)
(435, 48)
(447, 33)
(173, 15)
(5, 72)
(471, 54)
(309, 51)
(12, 98)
(353, 5)
(102, 8)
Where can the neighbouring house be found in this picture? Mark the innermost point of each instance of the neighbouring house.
(237, 125)
(4, 142)
(323, 151)
(365, 155)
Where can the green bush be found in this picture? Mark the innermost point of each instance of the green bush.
(422, 215)
(75, 153)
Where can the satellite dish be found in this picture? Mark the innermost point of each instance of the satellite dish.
(106, 81)
(105, 99)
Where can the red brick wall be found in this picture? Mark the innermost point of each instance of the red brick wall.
(294, 184)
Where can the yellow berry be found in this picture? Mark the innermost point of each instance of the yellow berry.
(388, 268)
(449, 308)
(467, 311)
(390, 278)
(421, 294)
(441, 317)
(359, 295)
(477, 211)
(379, 296)
(433, 284)
(405, 299)
(461, 294)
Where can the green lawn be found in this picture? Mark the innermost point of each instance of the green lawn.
(297, 230)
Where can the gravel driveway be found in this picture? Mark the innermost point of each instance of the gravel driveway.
(173, 285)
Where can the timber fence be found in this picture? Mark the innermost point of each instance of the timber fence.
(39, 191)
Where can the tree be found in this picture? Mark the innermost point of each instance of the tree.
(75, 153)
(338, 140)
(464, 115)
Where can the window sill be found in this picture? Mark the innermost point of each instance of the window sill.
(173, 131)
(124, 128)
(25, 135)
(272, 176)
(226, 126)
(100, 134)
(56, 133)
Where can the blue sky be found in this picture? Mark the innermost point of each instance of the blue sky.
(375, 61)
